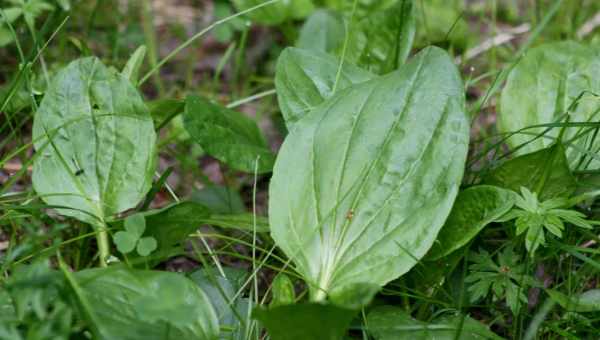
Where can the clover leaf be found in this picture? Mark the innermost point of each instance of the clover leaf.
(131, 238)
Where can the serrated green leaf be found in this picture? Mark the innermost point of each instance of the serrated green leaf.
(137, 304)
(324, 31)
(146, 245)
(542, 87)
(390, 323)
(304, 79)
(101, 157)
(227, 135)
(125, 241)
(312, 321)
(528, 170)
(375, 170)
(473, 209)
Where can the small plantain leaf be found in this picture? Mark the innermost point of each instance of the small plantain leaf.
(138, 304)
(473, 209)
(304, 79)
(97, 143)
(132, 68)
(542, 87)
(588, 301)
(282, 291)
(382, 41)
(324, 31)
(390, 323)
(528, 170)
(277, 12)
(375, 170)
(227, 135)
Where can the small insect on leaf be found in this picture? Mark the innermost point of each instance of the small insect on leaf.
(350, 215)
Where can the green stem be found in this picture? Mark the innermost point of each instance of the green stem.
(103, 244)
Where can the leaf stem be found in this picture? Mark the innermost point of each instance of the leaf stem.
(103, 245)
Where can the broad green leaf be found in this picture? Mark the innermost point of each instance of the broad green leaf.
(172, 225)
(323, 31)
(588, 301)
(146, 245)
(282, 291)
(353, 296)
(304, 79)
(243, 221)
(542, 87)
(219, 199)
(163, 110)
(96, 140)
(375, 170)
(363, 7)
(136, 304)
(276, 13)
(382, 41)
(473, 209)
(441, 22)
(528, 170)
(391, 323)
(311, 321)
(132, 68)
(227, 135)
(233, 311)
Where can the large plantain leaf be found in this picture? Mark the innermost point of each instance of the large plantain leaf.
(473, 209)
(542, 87)
(227, 135)
(365, 181)
(138, 304)
(304, 79)
(390, 323)
(588, 301)
(97, 142)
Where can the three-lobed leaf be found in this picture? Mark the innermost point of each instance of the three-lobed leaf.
(227, 135)
(96, 142)
(375, 170)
